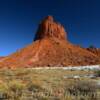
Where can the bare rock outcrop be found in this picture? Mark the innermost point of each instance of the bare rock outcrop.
(94, 50)
(49, 28)
(1, 58)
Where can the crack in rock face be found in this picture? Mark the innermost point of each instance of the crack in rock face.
(50, 28)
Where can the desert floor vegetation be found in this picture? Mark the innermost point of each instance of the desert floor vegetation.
(49, 84)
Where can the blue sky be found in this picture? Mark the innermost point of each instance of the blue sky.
(19, 20)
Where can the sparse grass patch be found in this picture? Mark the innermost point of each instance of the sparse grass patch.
(46, 84)
(83, 89)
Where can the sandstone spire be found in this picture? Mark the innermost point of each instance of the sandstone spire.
(49, 28)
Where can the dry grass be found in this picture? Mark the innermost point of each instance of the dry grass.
(47, 84)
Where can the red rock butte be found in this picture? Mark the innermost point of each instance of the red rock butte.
(49, 28)
(50, 49)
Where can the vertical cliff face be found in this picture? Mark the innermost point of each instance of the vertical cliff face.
(49, 28)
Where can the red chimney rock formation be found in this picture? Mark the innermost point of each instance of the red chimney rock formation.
(50, 48)
(49, 28)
